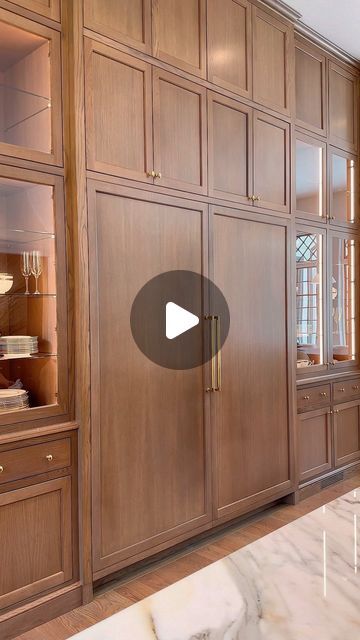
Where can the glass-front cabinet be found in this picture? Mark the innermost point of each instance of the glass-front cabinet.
(30, 90)
(310, 177)
(33, 316)
(326, 300)
(344, 190)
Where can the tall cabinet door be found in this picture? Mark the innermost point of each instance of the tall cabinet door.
(128, 21)
(149, 434)
(271, 163)
(252, 434)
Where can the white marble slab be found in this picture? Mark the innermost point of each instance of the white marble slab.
(300, 582)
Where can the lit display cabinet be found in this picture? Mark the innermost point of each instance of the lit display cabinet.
(33, 316)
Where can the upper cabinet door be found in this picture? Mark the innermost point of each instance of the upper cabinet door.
(230, 45)
(118, 113)
(127, 21)
(310, 177)
(179, 34)
(230, 136)
(343, 94)
(344, 188)
(310, 87)
(30, 90)
(180, 139)
(48, 8)
(271, 163)
(273, 62)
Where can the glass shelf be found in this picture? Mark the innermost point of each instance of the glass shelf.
(33, 356)
(24, 236)
(27, 295)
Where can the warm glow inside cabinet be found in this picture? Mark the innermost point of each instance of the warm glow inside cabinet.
(327, 313)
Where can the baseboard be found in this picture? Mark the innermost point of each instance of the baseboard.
(314, 486)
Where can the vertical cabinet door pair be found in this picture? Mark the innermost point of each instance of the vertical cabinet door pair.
(161, 471)
(249, 53)
(142, 123)
(172, 31)
(249, 155)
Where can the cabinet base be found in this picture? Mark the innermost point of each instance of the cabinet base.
(314, 486)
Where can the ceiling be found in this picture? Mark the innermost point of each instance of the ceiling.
(337, 20)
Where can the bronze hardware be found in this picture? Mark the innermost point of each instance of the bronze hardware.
(355, 387)
(1, 469)
(157, 174)
(331, 217)
(337, 411)
(323, 394)
(257, 198)
(49, 457)
(342, 389)
(218, 346)
(151, 174)
(306, 397)
(251, 198)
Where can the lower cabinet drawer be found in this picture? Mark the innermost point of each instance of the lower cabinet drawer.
(313, 397)
(315, 443)
(346, 390)
(36, 540)
(34, 459)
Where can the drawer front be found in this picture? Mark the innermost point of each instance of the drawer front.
(346, 390)
(35, 459)
(313, 397)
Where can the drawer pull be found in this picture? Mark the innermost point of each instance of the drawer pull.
(336, 410)
(1, 468)
(323, 394)
(49, 457)
(306, 397)
(342, 389)
(355, 387)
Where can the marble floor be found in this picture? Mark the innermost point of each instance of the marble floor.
(300, 582)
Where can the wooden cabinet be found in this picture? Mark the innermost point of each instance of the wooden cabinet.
(272, 61)
(179, 34)
(344, 188)
(150, 439)
(230, 149)
(119, 129)
(312, 397)
(36, 541)
(180, 136)
(314, 443)
(271, 163)
(310, 178)
(249, 155)
(48, 8)
(128, 21)
(252, 433)
(230, 45)
(347, 432)
(30, 90)
(310, 87)
(343, 107)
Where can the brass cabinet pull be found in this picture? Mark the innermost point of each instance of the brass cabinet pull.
(355, 387)
(1, 468)
(342, 389)
(212, 352)
(251, 198)
(49, 457)
(157, 174)
(306, 397)
(151, 174)
(215, 340)
(323, 394)
(218, 346)
(257, 198)
(337, 411)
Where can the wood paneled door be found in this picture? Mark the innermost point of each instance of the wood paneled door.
(315, 443)
(179, 34)
(230, 148)
(36, 540)
(127, 21)
(310, 87)
(48, 8)
(347, 432)
(251, 414)
(271, 163)
(230, 45)
(180, 136)
(150, 440)
(119, 129)
(272, 62)
(343, 107)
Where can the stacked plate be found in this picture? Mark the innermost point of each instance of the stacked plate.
(18, 345)
(13, 400)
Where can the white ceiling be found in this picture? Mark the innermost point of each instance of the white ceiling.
(337, 20)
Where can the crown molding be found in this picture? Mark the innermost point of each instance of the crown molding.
(316, 38)
(280, 7)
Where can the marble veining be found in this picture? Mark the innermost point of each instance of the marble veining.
(300, 582)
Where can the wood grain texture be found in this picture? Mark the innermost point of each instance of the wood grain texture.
(179, 34)
(230, 45)
(271, 162)
(343, 107)
(347, 432)
(48, 8)
(30, 461)
(251, 413)
(128, 21)
(315, 443)
(157, 415)
(311, 87)
(180, 132)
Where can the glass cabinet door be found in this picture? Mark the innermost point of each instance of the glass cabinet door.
(310, 286)
(30, 116)
(310, 177)
(344, 312)
(32, 323)
(344, 192)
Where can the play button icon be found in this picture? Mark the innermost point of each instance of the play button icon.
(178, 320)
(175, 316)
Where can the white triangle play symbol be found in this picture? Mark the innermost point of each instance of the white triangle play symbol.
(178, 320)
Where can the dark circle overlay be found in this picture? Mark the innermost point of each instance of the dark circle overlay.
(193, 292)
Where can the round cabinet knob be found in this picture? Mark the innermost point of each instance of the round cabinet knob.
(151, 174)
(157, 175)
(49, 457)
(1, 468)
(337, 411)
(323, 394)
(306, 397)
(355, 387)
(342, 390)
(257, 198)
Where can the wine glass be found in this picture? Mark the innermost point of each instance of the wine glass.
(26, 269)
(36, 268)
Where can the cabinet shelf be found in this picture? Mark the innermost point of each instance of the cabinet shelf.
(27, 295)
(24, 236)
(34, 356)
